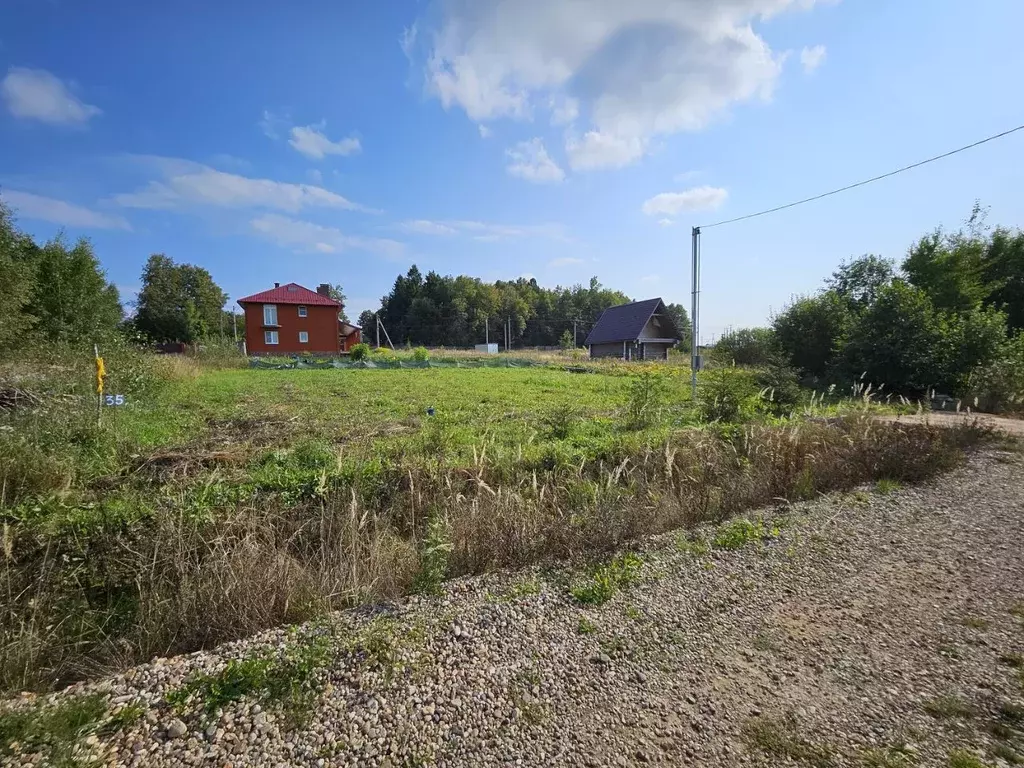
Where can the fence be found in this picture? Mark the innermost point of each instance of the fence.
(499, 362)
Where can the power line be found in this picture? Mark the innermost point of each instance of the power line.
(866, 181)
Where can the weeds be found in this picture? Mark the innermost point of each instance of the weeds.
(288, 679)
(962, 758)
(889, 757)
(56, 730)
(739, 533)
(645, 398)
(691, 545)
(524, 587)
(975, 622)
(434, 556)
(886, 485)
(585, 626)
(780, 737)
(949, 706)
(605, 580)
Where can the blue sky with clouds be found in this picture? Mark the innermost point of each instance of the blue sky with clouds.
(344, 141)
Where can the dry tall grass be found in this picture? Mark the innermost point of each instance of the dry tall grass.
(180, 582)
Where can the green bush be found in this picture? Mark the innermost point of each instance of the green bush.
(727, 395)
(747, 346)
(360, 351)
(780, 389)
(420, 355)
(646, 396)
(999, 385)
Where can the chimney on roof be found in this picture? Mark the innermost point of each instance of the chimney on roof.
(324, 290)
(277, 285)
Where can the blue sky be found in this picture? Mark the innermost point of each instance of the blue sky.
(344, 141)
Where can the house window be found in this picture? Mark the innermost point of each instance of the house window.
(303, 337)
(270, 315)
(270, 337)
(302, 311)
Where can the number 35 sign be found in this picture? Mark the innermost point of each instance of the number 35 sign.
(114, 400)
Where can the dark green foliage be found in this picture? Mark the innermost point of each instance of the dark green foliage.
(748, 346)
(998, 385)
(859, 281)
(780, 389)
(360, 351)
(461, 311)
(682, 322)
(810, 333)
(728, 395)
(17, 279)
(178, 302)
(335, 291)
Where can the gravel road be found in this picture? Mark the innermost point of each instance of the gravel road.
(875, 629)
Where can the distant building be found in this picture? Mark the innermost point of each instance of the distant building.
(641, 330)
(289, 319)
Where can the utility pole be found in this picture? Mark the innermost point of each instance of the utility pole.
(694, 316)
(378, 330)
(487, 330)
(574, 345)
(508, 333)
(234, 324)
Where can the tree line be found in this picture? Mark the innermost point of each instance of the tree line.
(460, 311)
(949, 318)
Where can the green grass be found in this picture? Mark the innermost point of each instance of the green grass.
(57, 730)
(738, 533)
(961, 758)
(780, 737)
(886, 485)
(888, 757)
(949, 706)
(603, 581)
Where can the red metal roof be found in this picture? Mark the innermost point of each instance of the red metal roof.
(290, 293)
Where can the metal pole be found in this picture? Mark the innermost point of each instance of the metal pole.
(695, 315)
(234, 324)
(487, 330)
(574, 345)
(378, 330)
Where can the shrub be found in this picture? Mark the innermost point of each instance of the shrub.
(360, 351)
(727, 395)
(780, 389)
(420, 355)
(999, 385)
(646, 397)
(748, 346)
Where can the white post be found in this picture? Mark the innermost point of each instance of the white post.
(694, 315)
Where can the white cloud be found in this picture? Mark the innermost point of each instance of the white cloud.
(666, 222)
(186, 183)
(530, 160)
(271, 124)
(603, 150)
(637, 69)
(669, 204)
(35, 94)
(311, 142)
(315, 176)
(485, 232)
(564, 110)
(812, 58)
(29, 206)
(565, 261)
(424, 227)
(650, 278)
(485, 132)
(308, 236)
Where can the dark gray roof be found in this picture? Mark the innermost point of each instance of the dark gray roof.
(626, 321)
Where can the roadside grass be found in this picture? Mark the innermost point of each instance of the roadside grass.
(780, 738)
(56, 731)
(887, 485)
(949, 706)
(222, 502)
(962, 758)
(889, 757)
(602, 581)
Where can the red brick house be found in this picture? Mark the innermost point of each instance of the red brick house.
(289, 319)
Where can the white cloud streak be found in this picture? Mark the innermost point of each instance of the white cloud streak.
(187, 184)
(35, 94)
(310, 141)
(307, 236)
(29, 206)
(669, 204)
(483, 231)
(565, 261)
(529, 160)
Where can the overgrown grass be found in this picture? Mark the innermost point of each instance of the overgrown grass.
(949, 706)
(217, 505)
(603, 581)
(780, 737)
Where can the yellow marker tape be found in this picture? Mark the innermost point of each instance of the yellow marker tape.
(101, 372)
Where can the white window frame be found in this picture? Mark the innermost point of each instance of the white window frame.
(303, 337)
(302, 311)
(270, 338)
(270, 314)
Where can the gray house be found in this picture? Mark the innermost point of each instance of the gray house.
(642, 330)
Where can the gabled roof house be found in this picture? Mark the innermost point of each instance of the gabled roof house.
(291, 319)
(640, 330)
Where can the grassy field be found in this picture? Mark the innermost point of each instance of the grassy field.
(222, 500)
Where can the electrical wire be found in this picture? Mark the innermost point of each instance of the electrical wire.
(866, 181)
